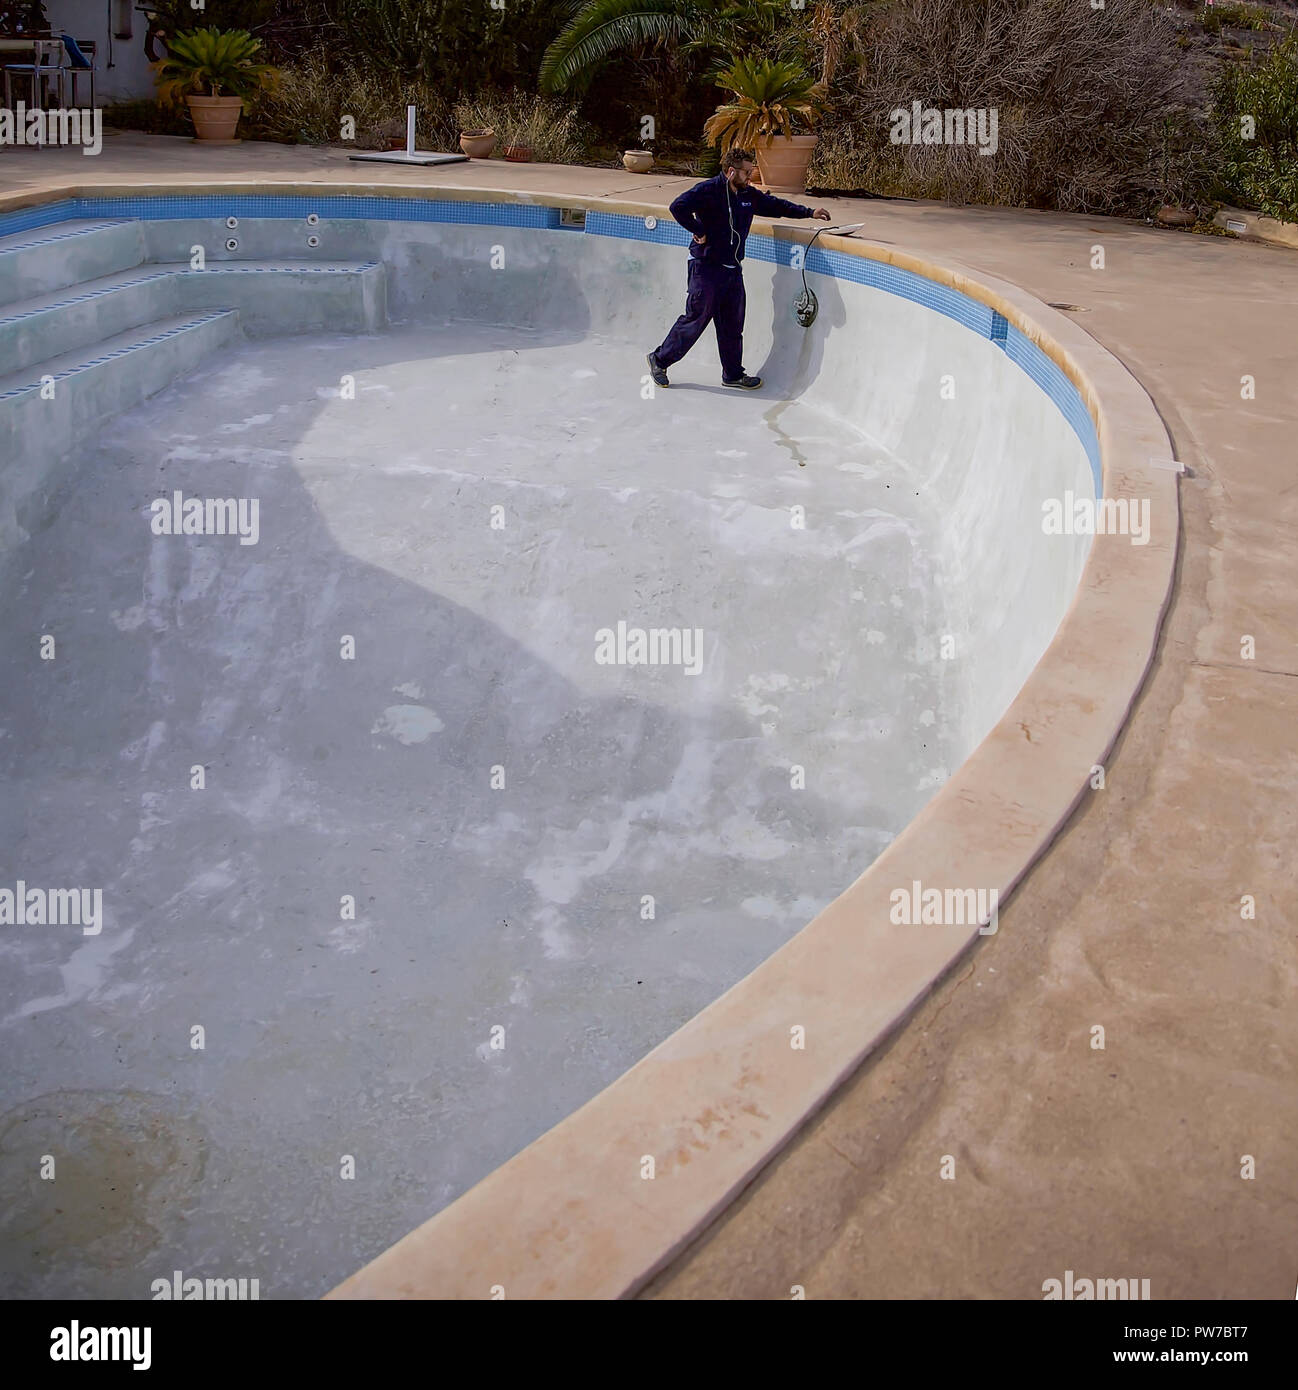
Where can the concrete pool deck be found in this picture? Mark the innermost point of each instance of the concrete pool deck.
(1125, 1160)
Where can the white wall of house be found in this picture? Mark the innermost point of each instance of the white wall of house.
(123, 72)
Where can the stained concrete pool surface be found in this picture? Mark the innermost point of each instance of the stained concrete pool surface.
(470, 510)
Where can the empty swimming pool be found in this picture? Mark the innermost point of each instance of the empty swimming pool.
(438, 715)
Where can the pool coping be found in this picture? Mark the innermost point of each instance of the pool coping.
(575, 1214)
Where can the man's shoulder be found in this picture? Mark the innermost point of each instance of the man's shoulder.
(698, 190)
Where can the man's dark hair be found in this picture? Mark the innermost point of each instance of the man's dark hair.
(735, 156)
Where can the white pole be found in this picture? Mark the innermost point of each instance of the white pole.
(410, 130)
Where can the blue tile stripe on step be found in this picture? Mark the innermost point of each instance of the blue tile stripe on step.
(356, 269)
(233, 268)
(82, 298)
(57, 236)
(162, 337)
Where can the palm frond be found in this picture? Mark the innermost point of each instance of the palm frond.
(605, 28)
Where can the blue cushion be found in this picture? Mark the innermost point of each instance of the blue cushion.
(76, 58)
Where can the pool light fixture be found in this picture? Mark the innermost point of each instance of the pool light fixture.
(806, 306)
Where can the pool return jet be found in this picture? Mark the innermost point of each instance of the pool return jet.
(807, 306)
(410, 155)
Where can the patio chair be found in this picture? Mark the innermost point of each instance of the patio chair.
(47, 68)
(80, 63)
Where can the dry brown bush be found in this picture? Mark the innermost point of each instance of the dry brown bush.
(1081, 94)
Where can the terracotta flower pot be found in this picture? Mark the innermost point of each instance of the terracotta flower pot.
(215, 118)
(782, 163)
(1170, 216)
(520, 154)
(478, 144)
(638, 161)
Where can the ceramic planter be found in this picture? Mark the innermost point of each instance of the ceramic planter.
(782, 163)
(478, 144)
(520, 154)
(215, 118)
(637, 161)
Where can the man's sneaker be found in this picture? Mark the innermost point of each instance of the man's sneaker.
(744, 383)
(659, 374)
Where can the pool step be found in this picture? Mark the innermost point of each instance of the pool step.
(51, 409)
(62, 320)
(64, 254)
(283, 296)
(272, 297)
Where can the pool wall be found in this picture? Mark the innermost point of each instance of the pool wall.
(581, 1212)
(975, 414)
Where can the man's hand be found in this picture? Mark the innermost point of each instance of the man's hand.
(821, 214)
(699, 238)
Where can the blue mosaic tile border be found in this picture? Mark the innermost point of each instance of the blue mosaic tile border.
(977, 317)
(162, 337)
(26, 219)
(349, 207)
(666, 231)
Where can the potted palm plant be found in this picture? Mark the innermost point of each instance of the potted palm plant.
(214, 70)
(768, 96)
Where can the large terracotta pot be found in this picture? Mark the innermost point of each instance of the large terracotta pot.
(782, 164)
(215, 118)
(638, 161)
(478, 144)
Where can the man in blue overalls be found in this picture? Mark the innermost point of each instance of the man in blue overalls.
(719, 213)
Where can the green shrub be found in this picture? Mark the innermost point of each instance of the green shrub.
(1225, 15)
(453, 46)
(1255, 112)
(597, 32)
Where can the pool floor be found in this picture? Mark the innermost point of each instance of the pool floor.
(578, 855)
